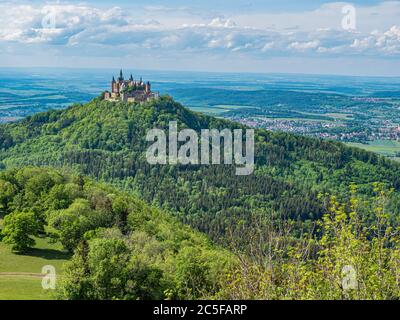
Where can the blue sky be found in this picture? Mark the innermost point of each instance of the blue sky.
(288, 36)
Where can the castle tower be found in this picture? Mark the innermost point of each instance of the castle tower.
(148, 88)
(115, 86)
(121, 76)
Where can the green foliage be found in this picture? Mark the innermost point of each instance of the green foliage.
(7, 191)
(107, 141)
(301, 257)
(192, 273)
(70, 225)
(121, 212)
(122, 248)
(18, 229)
(345, 259)
(111, 272)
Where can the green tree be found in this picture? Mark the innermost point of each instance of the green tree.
(347, 258)
(192, 273)
(69, 225)
(106, 270)
(7, 192)
(18, 229)
(121, 211)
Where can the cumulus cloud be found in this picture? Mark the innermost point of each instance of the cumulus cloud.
(302, 46)
(84, 26)
(222, 23)
(383, 42)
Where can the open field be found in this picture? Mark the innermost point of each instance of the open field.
(389, 148)
(336, 116)
(22, 288)
(209, 110)
(218, 109)
(20, 275)
(340, 116)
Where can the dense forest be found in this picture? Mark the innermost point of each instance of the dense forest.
(107, 141)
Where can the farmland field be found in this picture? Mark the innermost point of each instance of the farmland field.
(389, 148)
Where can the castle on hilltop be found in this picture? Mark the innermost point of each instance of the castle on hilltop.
(130, 90)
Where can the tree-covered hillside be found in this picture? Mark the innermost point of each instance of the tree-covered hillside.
(107, 141)
(289, 237)
(123, 249)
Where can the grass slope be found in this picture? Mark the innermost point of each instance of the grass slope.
(20, 274)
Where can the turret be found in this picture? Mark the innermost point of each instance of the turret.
(131, 78)
(121, 76)
(115, 85)
(148, 87)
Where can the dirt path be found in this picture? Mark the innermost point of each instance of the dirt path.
(22, 274)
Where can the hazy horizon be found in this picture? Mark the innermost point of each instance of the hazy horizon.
(188, 71)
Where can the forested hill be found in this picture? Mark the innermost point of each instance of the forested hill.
(107, 141)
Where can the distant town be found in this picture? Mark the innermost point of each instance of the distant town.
(327, 130)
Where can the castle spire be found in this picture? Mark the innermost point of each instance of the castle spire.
(131, 78)
(113, 80)
(121, 76)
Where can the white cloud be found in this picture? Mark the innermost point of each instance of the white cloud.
(222, 23)
(268, 46)
(317, 32)
(387, 43)
(302, 46)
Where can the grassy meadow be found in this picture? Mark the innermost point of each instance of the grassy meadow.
(388, 148)
(20, 275)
